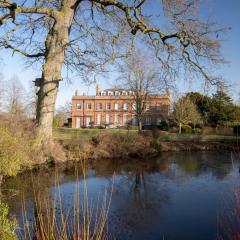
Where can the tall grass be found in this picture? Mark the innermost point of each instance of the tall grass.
(51, 221)
(7, 226)
(229, 221)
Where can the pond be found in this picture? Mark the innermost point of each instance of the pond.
(174, 196)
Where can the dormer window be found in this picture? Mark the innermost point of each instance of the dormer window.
(110, 93)
(159, 107)
(116, 93)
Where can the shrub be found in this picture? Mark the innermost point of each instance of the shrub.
(95, 140)
(7, 227)
(56, 122)
(121, 145)
(173, 130)
(13, 153)
(208, 130)
(164, 126)
(186, 129)
(223, 130)
(20, 148)
(197, 130)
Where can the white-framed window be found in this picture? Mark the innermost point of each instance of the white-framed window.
(99, 119)
(108, 106)
(78, 106)
(89, 106)
(116, 93)
(125, 106)
(159, 107)
(134, 120)
(107, 118)
(134, 106)
(116, 118)
(158, 121)
(125, 119)
(99, 106)
(147, 106)
(116, 106)
(148, 120)
(110, 93)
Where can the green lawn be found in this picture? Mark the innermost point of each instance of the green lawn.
(70, 133)
(73, 133)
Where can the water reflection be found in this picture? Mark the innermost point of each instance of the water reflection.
(173, 196)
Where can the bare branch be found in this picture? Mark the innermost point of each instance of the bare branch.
(32, 55)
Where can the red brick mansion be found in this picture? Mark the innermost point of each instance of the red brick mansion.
(116, 107)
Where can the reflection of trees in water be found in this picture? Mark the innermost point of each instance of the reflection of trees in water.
(138, 193)
(139, 189)
(19, 192)
(195, 164)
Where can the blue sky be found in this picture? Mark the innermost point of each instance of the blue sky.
(225, 12)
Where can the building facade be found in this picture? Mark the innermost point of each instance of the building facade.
(116, 107)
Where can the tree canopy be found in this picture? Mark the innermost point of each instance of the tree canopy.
(86, 36)
(218, 109)
(185, 112)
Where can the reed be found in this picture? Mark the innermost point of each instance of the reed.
(85, 220)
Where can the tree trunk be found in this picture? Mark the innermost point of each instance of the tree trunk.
(48, 84)
(180, 128)
(139, 126)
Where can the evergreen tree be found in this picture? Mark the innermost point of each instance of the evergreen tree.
(203, 104)
(222, 108)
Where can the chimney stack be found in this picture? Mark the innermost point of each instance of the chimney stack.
(77, 93)
(97, 89)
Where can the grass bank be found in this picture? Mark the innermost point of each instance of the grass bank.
(108, 144)
(122, 143)
(19, 149)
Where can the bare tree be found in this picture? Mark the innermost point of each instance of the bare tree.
(15, 98)
(31, 101)
(63, 113)
(185, 112)
(141, 75)
(1, 92)
(87, 35)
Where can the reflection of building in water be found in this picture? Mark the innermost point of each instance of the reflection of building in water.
(117, 107)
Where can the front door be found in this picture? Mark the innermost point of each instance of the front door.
(88, 120)
(78, 122)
